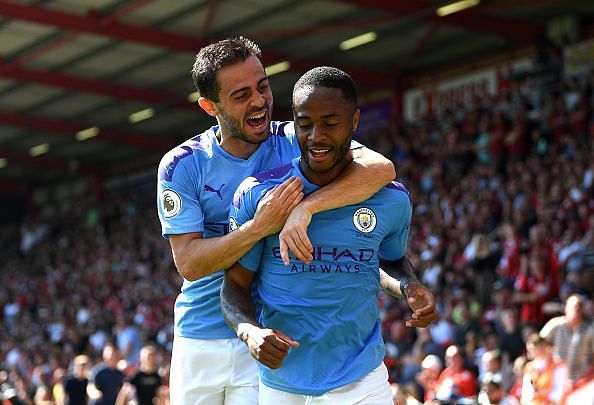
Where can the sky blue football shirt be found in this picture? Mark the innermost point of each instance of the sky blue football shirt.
(195, 187)
(330, 305)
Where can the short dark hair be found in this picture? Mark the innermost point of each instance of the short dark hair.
(216, 56)
(325, 76)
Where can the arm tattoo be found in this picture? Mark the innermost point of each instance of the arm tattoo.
(395, 275)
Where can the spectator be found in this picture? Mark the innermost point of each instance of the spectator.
(533, 288)
(510, 334)
(427, 378)
(545, 380)
(129, 340)
(492, 367)
(75, 385)
(509, 265)
(142, 389)
(572, 337)
(455, 381)
(106, 379)
(493, 394)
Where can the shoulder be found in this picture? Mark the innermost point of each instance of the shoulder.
(273, 175)
(398, 188)
(260, 183)
(201, 144)
(282, 129)
(98, 370)
(282, 135)
(397, 193)
(551, 327)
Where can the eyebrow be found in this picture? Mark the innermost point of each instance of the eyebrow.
(246, 87)
(323, 116)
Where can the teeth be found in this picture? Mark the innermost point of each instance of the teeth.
(319, 150)
(258, 115)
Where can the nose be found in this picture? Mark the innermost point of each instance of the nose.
(258, 100)
(316, 133)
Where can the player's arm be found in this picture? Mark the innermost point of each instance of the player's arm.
(364, 176)
(399, 280)
(269, 347)
(196, 257)
(398, 276)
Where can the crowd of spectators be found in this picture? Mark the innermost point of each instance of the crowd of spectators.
(502, 233)
(86, 276)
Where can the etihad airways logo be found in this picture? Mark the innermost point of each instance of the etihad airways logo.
(336, 254)
(331, 260)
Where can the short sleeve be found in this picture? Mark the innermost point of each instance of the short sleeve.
(286, 143)
(243, 209)
(178, 193)
(394, 245)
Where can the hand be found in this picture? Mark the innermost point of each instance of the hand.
(422, 302)
(268, 346)
(276, 205)
(294, 237)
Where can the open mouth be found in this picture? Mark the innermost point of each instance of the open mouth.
(257, 120)
(318, 154)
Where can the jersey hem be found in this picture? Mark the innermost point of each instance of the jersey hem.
(181, 231)
(205, 336)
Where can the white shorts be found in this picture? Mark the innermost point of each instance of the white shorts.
(371, 389)
(212, 372)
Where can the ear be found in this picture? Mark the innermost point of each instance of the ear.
(356, 119)
(208, 106)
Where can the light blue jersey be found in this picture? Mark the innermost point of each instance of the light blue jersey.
(195, 187)
(330, 305)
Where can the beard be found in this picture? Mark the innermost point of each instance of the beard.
(341, 152)
(236, 129)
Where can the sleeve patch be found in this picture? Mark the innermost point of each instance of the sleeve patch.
(171, 202)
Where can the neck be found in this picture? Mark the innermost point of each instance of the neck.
(235, 146)
(321, 179)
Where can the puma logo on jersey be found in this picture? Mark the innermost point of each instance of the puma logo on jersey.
(214, 190)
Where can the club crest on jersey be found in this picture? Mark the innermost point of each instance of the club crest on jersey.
(172, 203)
(233, 224)
(364, 220)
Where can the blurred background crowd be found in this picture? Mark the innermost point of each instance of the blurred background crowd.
(502, 234)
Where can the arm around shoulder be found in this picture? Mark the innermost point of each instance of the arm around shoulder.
(363, 177)
(196, 257)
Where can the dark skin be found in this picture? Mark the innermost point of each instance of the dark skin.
(323, 130)
(268, 346)
(419, 298)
